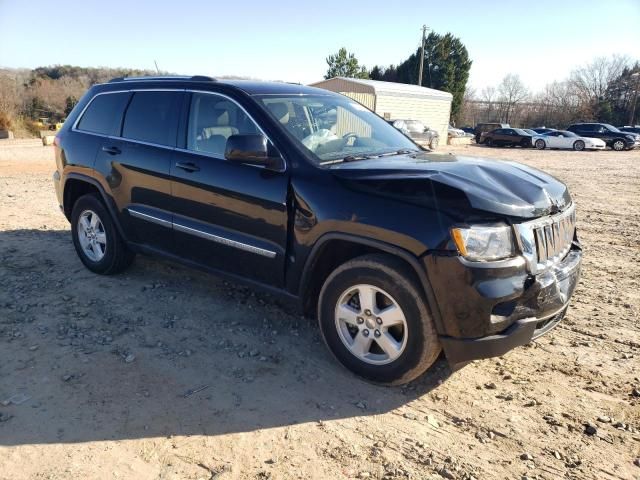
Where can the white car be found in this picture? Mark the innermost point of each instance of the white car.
(565, 139)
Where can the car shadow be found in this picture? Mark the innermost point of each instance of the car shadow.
(159, 350)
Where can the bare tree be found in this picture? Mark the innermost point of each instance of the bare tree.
(511, 92)
(590, 83)
(468, 112)
(488, 95)
(592, 80)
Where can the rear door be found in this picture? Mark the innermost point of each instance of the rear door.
(137, 166)
(100, 120)
(227, 216)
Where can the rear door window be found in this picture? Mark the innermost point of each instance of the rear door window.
(104, 113)
(152, 117)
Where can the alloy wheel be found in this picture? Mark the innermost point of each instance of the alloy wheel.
(92, 236)
(371, 324)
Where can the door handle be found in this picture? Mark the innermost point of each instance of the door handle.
(188, 166)
(112, 150)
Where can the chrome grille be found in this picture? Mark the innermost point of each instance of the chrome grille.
(547, 240)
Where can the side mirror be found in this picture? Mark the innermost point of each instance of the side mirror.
(252, 150)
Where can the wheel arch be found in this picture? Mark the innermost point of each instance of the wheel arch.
(334, 249)
(77, 185)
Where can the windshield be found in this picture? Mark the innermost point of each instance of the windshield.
(566, 133)
(335, 128)
(611, 128)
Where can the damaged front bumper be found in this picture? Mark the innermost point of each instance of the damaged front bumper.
(487, 310)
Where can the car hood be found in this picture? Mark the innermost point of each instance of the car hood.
(457, 183)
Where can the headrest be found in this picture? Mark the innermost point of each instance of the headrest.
(280, 110)
(222, 117)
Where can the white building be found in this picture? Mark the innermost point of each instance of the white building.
(395, 101)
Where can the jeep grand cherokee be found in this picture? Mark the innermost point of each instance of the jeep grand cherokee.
(399, 252)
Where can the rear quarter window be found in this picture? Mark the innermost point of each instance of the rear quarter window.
(153, 117)
(104, 113)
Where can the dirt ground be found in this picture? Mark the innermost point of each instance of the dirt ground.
(167, 373)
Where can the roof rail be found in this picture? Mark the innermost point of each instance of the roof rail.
(197, 78)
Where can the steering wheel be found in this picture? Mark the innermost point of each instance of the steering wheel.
(348, 136)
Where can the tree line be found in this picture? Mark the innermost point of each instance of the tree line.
(48, 92)
(605, 90)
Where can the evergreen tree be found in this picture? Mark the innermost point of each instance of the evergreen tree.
(345, 64)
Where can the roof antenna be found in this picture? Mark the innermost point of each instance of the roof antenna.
(157, 69)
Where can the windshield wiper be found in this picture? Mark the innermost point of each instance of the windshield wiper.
(348, 158)
(368, 156)
(353, 158)
(398, 152)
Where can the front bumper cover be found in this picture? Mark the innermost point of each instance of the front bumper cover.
(486, 312)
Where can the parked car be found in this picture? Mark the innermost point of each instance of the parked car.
(506, 137)
(487, 127)
(542, 130)
(533, 133)
(455, 132)
(399, 252)
(469, 130)
(629, 129)
(613, 137)
(566, 139)
(418, 132)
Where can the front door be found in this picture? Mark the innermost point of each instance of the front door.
(227, 216)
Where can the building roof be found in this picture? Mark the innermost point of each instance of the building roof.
(378, 87)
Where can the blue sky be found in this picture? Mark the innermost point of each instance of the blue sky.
(541, 40)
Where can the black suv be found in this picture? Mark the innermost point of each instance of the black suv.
(506, 137)
(400, 253)
(613, 137)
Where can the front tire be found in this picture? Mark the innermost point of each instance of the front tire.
(618, 145)
(376, 322)
(540, 145)
(96, 239)
(578, 145)
(434, 144)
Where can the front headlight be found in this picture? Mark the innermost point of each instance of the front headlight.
(481, 243)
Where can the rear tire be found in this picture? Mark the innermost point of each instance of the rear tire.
(540, 144)
(578, 145)
(96, 239)
(375, 297)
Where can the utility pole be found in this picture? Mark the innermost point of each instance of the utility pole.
(424, 37)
